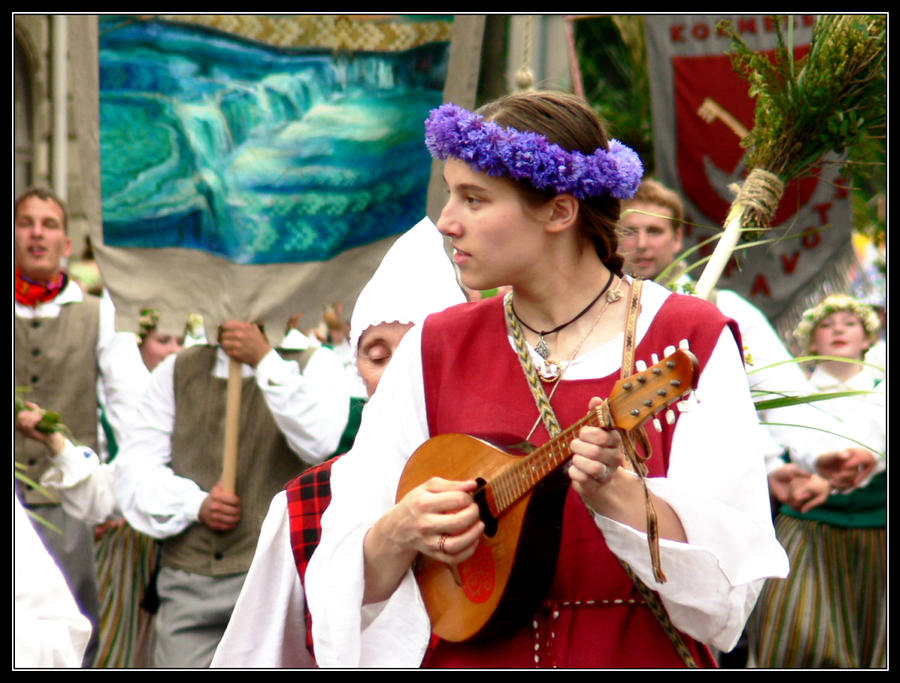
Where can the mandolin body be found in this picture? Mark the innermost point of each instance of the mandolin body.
(521, 499)
(502, 585)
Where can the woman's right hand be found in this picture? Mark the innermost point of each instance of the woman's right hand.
(439, 519)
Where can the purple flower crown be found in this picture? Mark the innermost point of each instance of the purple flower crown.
(451, 131)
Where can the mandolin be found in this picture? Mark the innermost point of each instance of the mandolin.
(520, 498)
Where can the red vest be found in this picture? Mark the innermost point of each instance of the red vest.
(593, 616)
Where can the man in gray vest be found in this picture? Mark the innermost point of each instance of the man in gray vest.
(67, 353)
(294, 408)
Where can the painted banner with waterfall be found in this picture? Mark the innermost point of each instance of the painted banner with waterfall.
(259, 167)
(701, 110)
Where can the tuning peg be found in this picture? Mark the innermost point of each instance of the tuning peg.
(654, 359)
(668, 351)
(656, 424)
(670, 416)
(640, 366)
(683, 344)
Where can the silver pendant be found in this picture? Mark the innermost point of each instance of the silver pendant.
(542, 349)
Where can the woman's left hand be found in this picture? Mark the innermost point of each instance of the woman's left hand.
(597, 456)
(598, 475)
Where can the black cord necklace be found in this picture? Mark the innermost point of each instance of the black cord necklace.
(541, 346)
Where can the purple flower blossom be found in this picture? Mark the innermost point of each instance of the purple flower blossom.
(451, 131)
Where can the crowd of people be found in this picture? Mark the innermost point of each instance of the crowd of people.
(723, 530)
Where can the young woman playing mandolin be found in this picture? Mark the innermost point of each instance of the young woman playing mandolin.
(534, 188)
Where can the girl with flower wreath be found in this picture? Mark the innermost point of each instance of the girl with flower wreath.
(831, 611)
(534, 186)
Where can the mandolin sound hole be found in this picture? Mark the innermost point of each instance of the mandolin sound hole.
(490, 522)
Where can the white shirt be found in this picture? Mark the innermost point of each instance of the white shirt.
(310, 408)
(49, 630)
(716, 483)
(862, 417)
(122, 373)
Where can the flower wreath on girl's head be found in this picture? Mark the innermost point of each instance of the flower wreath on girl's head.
(451, 131)
(833, 303)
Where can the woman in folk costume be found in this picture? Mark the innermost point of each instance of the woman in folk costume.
(831, 612)
(534, 188)
(270, 624)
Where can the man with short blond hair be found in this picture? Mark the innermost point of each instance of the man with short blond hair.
(651, 234)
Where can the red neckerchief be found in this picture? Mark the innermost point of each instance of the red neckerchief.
(31, 292)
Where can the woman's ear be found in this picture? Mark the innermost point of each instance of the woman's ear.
(563, 212)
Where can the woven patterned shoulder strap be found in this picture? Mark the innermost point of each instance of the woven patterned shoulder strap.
(548, 417)
(634, 308)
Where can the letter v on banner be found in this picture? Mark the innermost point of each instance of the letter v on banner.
(701, 111)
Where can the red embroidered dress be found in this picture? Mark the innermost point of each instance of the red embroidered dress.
(592, 616)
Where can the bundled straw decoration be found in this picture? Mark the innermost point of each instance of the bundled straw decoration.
(805, 109)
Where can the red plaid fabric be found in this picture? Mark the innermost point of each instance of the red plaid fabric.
(308, 496)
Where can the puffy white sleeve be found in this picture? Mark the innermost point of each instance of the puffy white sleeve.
(310, 407)
(153, 499)
(395, 632)
(122, 375)
(717, 485)
(267, 628)
(82, 483)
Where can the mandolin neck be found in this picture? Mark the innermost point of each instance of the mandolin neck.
(632, 400)
(521, 477)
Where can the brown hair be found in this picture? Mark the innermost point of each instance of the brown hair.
(44, 195)
(654, 192)
(568, 121)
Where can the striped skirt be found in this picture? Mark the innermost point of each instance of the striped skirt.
(125, 561)
(831, 611)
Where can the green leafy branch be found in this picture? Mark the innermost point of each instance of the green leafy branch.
(50, 421)
(831, 99)
(827, 431)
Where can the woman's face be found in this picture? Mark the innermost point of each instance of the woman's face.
(157, 346)
(840, 334)
(376, 347)
(497, 238)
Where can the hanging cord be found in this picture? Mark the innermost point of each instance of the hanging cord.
(525, 76)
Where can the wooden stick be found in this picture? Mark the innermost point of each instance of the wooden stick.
(756, 202)
(232, 426)
(721, 255)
